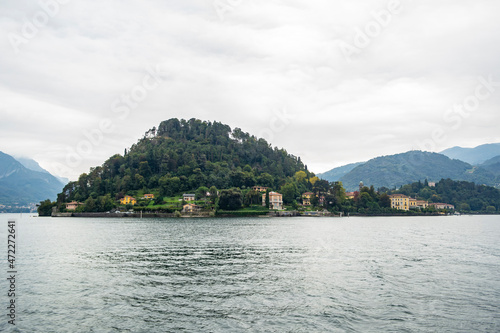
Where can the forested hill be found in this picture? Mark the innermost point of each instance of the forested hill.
(182, 155)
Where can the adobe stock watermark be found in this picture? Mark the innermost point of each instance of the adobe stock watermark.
(223, 7)
(31, 28)
(454, 117)
(277, 124)
(121, 108)
(363, 37)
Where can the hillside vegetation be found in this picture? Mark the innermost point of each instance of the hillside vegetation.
(182, 156)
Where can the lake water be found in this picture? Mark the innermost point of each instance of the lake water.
(432, 274)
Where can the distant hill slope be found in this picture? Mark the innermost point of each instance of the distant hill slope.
(336, 173)
(474, 156)
(493, 166)
(33, 165)
(397, 170)
(21, 185)
(492, 161)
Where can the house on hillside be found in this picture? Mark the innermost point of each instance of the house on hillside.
(188, 197)
(439, 205)
(73, 205)
(400, 201)
(306, 198)
(148, 196)
(260, 188)
(350, 195)
(128, 200)
(275, 200)
(190, 208)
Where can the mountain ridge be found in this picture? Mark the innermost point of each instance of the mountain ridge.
(400, 169)
(31, 164)
(20, 185)
(474, 156)
(336, 173)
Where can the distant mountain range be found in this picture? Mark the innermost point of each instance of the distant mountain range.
(401, 169)
(336, 173)
(33, 165)
(20, 185)
(474, 156)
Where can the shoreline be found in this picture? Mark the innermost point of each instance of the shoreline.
(226, 215)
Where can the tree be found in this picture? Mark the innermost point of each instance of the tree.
(144, 169)
(90, 205)
(265, 179)
(213, 194)
(45, 208)
(384, 201)
(201, 192)
(464, 207)
(169, 185)
(364, 199)
(313, 180)
(105, 203)
(289, 192)
(252, 198)
(321, 186)
(300, 176)
(230, 199)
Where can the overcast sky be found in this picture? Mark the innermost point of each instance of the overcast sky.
(333, 82)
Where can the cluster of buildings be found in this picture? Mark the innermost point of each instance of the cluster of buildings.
(403, 202)
(276, 199)
(398, 201)
(126, 200)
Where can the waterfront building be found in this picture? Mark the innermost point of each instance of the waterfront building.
(400, 201)
(275, 200)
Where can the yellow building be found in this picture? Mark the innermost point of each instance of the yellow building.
(422, 203)
(190, 208)
(414, 203)
(149, 196)
(275, 200)
(400, 201)
(306, 198)
(350, 195)
(126, 200)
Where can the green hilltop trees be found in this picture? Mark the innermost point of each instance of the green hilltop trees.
(181, 156)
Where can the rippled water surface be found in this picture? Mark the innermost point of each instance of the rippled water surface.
(439, 274)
